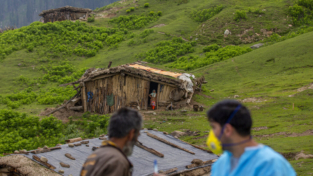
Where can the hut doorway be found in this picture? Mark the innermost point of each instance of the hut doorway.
(153, 86)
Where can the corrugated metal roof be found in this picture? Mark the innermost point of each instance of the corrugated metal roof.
(153, 70)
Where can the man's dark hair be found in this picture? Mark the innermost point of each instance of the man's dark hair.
(123, 121)
(221, 111)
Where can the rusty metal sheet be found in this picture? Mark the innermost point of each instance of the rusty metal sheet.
(153, 70)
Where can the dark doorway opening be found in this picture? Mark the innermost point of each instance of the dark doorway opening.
(153, 86)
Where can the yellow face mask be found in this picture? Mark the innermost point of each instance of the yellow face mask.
(214, 143)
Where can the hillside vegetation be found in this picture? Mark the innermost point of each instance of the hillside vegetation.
(206, 37)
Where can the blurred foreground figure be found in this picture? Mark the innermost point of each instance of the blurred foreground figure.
(111, 158)
(231, 135)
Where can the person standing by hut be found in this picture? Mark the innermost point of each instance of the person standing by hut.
(153, 96)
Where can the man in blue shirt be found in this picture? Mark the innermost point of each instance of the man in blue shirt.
(231, 132)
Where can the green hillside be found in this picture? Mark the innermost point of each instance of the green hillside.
(274, 81)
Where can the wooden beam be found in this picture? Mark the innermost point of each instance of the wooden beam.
(169, 143)
(102, 76)
(139, 144)
(43, 163)
(84, 98)
(158, 95)
(77, 108)
(151, 80)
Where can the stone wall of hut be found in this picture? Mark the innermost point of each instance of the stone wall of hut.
(62, 15)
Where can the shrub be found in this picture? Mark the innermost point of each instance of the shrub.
(127, 11)
(133, 21)
(298, 15)
(209, 48)
(306, 3)
(240, 15)
(132, 9)
(159, 13)
(91, 19)
(57, 39)
(146, 5)
(167, 51)
(151, 13)
(205, 14)
(192, 62)
(146, 33)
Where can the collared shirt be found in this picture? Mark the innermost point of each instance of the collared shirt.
(108, 160)
(255, 161)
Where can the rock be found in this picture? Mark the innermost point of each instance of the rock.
(78, 144)
(197, 162)
(58, 145)
(16, 152)
(71, 145)
(65, 165)
(19, 64)
(236, 96)
(87, 145)
(69, 156)
(150, 112)
(257, 46)
(178, 134)
(61, 171)
(201, 108)
(290, 25)
(43, 159)
(212, 90)
(103, 138)
(84, 142)
(155, 129)
(264, 10)
(166, 133)
(227, 32)
(45, 147)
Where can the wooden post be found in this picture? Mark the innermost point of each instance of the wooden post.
(158, 95)
(84, 99)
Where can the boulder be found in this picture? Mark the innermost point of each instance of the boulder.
(257, 46)
(227, 32)
(43, 159)
(178, 134)
(71, 145)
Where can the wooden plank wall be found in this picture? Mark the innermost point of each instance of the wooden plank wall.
(164, 94)
(125, 89)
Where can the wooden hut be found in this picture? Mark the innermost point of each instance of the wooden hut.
(106, 90)
(65, 13)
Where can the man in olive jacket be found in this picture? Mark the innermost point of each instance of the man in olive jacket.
(111, 158)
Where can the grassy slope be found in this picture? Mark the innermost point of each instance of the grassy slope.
(271, 73)
(253, 75)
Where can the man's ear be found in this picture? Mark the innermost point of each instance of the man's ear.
(131, 135)
(228, 130)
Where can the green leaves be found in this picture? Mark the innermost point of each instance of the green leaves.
(240, 15)
(214, 54)
(205, 14)
(57, 39)
(134, 21)
(168, 51)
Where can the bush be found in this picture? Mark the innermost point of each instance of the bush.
(146, 5)
(134, 21)
(132, 9)
(167, 51)
(57, 39)
(306, 3)
(91, 19)
(151, 13)
(205, 14)
(146, 33)
(209, 48)
(159, 13)
(20, 131)
(299, 16)
(240, 15)
(127, 11)
(192, 62)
